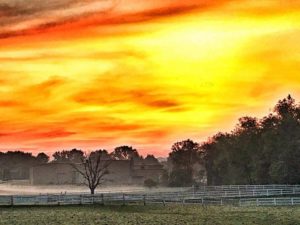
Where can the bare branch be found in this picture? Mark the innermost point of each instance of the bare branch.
(94, 169)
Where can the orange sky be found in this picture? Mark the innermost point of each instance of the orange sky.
(99, 74)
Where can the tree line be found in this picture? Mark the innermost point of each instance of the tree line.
(256, 151)
(16, 164)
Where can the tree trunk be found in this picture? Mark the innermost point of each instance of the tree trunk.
(92, 190)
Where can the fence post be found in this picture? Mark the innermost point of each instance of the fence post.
(221, 201)
(12, 200)
(144, 199)
(292, 201)
(193, 191)
(93, 199)
(275, 201)
(257, 203)
(124, 200)
(202, 201)
(163, 201)
(267, 192)
(102, 199)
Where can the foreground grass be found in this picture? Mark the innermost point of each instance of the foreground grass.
(149, 215)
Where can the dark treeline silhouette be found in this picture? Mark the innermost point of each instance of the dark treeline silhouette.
(76, 156)
(15, 165)
(256, 151)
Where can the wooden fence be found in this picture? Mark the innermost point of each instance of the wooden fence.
(213, 195)
(125, 199)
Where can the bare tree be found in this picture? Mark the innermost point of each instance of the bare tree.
(93, 168)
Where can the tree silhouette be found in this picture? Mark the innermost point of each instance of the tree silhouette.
(42, 157)
(125, 153)
(184, 156)
(73, 155)
(93, 168)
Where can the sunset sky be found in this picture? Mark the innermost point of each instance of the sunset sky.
(98, 74)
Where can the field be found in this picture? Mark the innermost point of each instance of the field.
(149, 215)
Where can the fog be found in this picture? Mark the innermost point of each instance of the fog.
(25, 188)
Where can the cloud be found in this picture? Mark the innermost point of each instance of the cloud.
(33, 99)
(263, 8)
(42, 16)
(112, 90)
(66, 17)
(36, 134)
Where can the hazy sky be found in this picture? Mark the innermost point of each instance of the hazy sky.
(99, 74)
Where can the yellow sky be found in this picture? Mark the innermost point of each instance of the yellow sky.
(147, 73)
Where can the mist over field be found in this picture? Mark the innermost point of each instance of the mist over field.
(24, 188)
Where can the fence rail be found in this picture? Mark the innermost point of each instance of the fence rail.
(249, 193)
(142, 199)
(248, 187)
(270, 202)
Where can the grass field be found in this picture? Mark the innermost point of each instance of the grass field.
(149, 215)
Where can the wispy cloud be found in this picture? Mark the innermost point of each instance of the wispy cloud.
(34, 16)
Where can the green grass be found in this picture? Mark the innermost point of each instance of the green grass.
(152, 214)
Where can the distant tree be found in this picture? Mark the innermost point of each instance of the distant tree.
(104, 154)
(42, 158)
(184, 156)
(60, 156)
(286, 107)
(73, 155)
(93, 168)
(125, 153)
(151, 159)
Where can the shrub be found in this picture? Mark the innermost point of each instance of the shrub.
(150, 183)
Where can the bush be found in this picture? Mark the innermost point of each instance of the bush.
(181, 178)
(150, 183)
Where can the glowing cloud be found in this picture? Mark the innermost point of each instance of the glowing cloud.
(97, 74)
